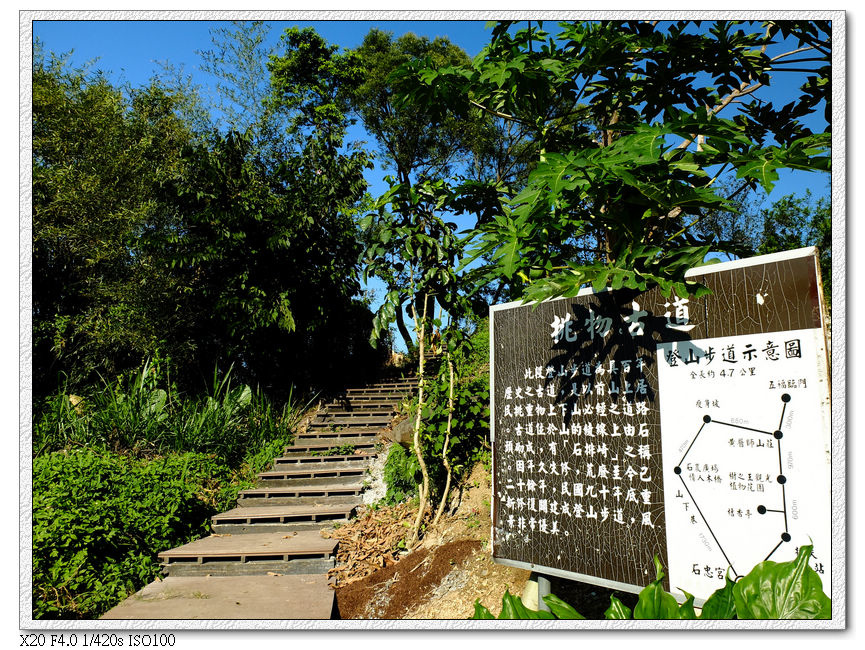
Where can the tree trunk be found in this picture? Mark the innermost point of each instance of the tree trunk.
(447, 465)
(423, 491)
(403, 330)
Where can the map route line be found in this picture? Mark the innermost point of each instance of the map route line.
(692, 442)
(705, 521)
(739, 426)
(773, 550)
(781, 479)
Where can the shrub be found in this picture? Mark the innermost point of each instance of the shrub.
(401, 475)
(771, 591)
(99, 519)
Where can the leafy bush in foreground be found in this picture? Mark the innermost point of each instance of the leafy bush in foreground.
(99, 519)
(771, 591)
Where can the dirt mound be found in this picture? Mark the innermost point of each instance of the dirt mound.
(391, 592)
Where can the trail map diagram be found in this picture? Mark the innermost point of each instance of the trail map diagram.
(746, 455)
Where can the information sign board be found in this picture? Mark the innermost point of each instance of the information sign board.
(627, 424)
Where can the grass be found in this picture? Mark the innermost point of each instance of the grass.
(139, 414)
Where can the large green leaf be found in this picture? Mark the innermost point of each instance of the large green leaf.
(561, 609)
(654, 602)
(513, 608)
(482, 613)
(720, 605)
(782, 590)
(617, 610)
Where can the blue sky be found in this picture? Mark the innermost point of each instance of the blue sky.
(132, 50)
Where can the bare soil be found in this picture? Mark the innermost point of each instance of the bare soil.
(443, 576)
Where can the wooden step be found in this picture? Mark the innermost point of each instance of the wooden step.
(338, 421)
(361, 406)
(377, 392)
(324, 433)
(330, 471)
(302, 446)
(349, 489)
(386, 412)
(260, 597)
(243, 520)
(307, 460)
(252, 547)
(255, 502)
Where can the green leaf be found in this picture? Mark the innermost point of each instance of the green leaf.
(686, 609)
(617, 610)
(513, 608)
(654, 602)
(482, 613)
(720, 605)
(561, 609)
(782, 590)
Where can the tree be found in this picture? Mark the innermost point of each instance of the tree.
(798, 221)
(204, 246)
(98, 160)
(414, 143)
(627, 117)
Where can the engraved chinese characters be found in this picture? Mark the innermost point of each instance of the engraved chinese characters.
(584, 471)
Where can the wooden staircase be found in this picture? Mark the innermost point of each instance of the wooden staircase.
(272, 539)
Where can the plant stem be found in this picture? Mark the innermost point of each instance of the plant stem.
(423, 493)
(447, 440)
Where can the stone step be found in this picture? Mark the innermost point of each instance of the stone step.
(323, 444)
(230, 598)
(243, 521)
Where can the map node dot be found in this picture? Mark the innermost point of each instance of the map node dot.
(761, 510)
(778, 435)
(707, 418)
(785, 397)
(785, 537)
(677, 469)
(782, 479)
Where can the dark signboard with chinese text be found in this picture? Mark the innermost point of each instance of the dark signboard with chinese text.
(628, 424)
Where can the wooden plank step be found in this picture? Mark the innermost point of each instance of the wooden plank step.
(335, 470)
(387, 412)
(283, 514)
(255, 502)
(264, 492)
(315, 444)
(309, 459)
(254, 546)
(385, 396)
(321, 481)
(321, 433)
(230, 597)
(324, 421)
(360, 406)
